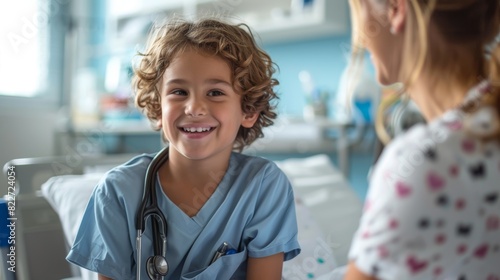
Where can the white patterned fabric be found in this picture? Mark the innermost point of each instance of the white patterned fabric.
(433, 207)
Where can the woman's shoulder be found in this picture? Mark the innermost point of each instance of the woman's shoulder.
(444, 134)
(441, 146)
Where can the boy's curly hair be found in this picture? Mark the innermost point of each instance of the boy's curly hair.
(252, 69)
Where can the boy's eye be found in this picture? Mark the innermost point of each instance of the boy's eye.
(178, 92)
(215, 93)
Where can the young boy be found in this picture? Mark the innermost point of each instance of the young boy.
(209, 88)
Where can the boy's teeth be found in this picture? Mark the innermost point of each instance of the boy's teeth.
(196, 129)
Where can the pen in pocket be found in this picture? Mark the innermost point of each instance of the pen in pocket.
(223, 249)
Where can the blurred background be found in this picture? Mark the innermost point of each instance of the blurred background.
(65, 68)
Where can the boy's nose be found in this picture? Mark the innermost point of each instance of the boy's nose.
(195, 107)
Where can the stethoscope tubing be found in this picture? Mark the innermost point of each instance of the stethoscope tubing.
(149, 207)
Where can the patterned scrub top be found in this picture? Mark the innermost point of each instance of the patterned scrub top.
(433, 207)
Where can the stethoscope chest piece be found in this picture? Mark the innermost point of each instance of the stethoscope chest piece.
(157, 265)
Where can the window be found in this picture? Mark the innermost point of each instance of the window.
(32, 32)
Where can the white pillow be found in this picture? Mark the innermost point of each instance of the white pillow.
(68, 195)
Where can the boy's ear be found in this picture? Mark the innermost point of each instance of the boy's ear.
(249, 119)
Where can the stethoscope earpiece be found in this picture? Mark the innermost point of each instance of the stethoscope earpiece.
(156, 265)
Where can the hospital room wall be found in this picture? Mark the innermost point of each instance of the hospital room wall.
(25, 132)
(324, 58)
(28, 125)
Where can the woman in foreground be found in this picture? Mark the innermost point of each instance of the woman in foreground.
(433, 208)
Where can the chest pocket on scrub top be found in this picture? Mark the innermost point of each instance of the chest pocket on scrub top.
(223, 268)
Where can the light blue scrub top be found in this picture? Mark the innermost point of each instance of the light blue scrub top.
(252, 209)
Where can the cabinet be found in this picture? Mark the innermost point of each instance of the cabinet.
(272, 21)
(281, 21)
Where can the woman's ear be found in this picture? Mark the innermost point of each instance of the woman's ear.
(397, 15)
(249, 119)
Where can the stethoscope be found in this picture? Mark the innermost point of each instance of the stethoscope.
(156, 265)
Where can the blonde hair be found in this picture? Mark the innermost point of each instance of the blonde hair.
(441, 27)
(252, 69)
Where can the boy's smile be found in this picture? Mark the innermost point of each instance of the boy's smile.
(196, 131)
(201, 111)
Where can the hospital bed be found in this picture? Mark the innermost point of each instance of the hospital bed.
(52, 192)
